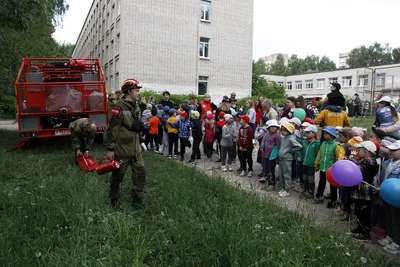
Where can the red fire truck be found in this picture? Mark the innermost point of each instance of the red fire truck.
(52, 92)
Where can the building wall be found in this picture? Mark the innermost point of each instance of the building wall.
(157, 42)
(387, 80)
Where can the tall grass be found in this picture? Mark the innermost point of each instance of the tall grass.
(52, 214)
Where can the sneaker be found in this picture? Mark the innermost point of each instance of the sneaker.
(170, 156)
(191, 161)
(243, 173)
(281, 191)
(262, 180)
(260, 175)
(356, 231)
(218, 160)
(157, 152)
(385, 241)
(319, 200)
(230, 168)
(327, 196)
(339, 212)
(175, 157)
(392, 248)
(249, 174)
(361, 237)
(284, 194)
(224, 169)
(166, 155)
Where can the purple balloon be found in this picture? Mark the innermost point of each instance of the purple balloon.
(346, 173)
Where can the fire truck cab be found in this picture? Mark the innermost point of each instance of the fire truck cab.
(53, 92)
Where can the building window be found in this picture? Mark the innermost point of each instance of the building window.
(320, 84)
(309, 84)
(280, 84)
(289, 86)
(333, 80)
(203, 85)
(346, 81)
(204, 46)
(205, 11)
(299, 85)
(380, 79)
(363, 80)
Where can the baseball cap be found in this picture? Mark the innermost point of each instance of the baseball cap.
(305, 124)
(196, 113)
(272, 123)
(394, 146)
(184, 114)
(228, 116)
(245, 118)
(336, 85)
(311, 128)
(295, 121)
(368, 145)
(221, 114)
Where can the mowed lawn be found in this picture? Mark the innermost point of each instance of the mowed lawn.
(51, 214)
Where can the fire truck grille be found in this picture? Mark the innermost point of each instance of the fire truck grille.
(99, 119)
(90, 76)
(29, 124)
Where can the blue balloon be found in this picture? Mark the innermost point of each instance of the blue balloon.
(390, 191)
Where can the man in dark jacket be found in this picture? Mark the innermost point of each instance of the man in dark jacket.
(166, 101)
(197, 135)
(357, 105)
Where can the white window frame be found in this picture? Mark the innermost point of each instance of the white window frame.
(202, 79)
(203, 10)
(298, 86)
(280, 84)
(289, 86)
(333, 80)
(309, 84)
(363, 80)
(380, 79)
(347, 81)
(320, 84)
(204, 51)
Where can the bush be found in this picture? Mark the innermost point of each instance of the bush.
(8, 107)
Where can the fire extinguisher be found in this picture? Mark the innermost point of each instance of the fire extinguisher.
(108, 166)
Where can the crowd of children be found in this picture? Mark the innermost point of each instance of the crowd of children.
(300, 153)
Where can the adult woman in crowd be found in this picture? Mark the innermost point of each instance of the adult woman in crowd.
(301, 103)
(290, 107)
(206, 105)
(223, 107)
(269, 113)
(258, 108)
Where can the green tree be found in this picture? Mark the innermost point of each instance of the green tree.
(396, 55)
(326, 64)
(261, 86)
(278, 68)
(28, 36)
(374, 55)
(295, 65)
(311, 63)
(22, 14)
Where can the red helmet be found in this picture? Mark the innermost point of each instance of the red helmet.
(130, 84)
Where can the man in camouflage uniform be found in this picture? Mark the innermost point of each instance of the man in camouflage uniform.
(123, 143)
(83, 133)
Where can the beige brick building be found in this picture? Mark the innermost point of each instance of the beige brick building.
(184, 46)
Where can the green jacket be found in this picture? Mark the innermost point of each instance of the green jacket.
(78, 131)
(309, 152)
(328, 154)
(120, 139)
(288, 146)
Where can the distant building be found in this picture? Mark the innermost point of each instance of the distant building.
(183, 46)
(385, 79)
(272, 58)
(343, 60)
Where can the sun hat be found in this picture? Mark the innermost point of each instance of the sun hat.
(210, 116)
(305, 124)
(384, 99)
(289, 127)
(331, 130)
(172, 110)
(368, 145)
(272, 123)
(166, 108)
(196, 113)
(228, 116)
(245, 118)
(311, 128)
(283, 121)
(295, 121)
